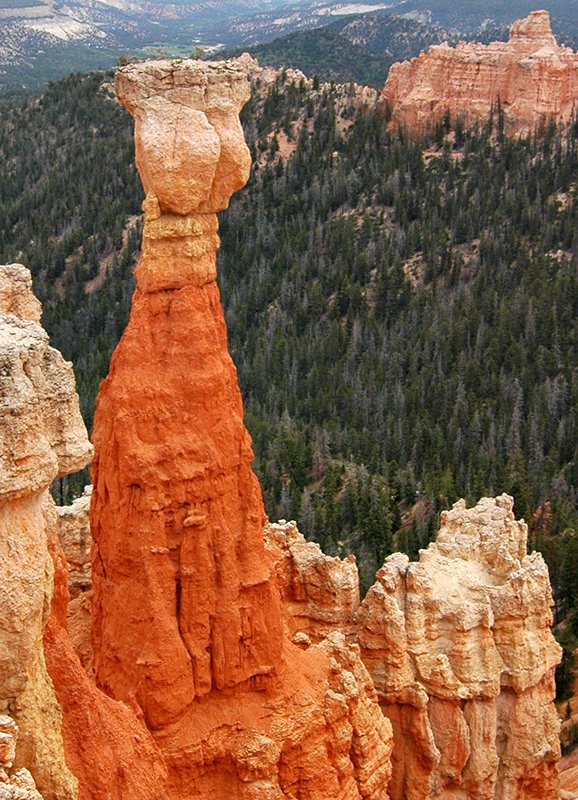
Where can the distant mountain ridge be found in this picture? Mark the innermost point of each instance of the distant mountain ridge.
(44, 39)
(361, 48)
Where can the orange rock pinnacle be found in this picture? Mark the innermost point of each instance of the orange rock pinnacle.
(183, 602)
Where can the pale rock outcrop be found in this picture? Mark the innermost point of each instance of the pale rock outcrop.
(187, 620)
(16, 295)
(461, 653)
(320, 594)
(534, 79)
(41, 436)
(73, 525)
(74, 533)
(18, 785)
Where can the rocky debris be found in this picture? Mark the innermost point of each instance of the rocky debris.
(320, 594)
(17, 785)
(533, 79)
(461, 653)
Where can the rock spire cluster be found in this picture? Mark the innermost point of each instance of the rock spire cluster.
(461, 653)
(532, 78)
(230, 658)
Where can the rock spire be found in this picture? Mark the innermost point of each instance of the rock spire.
(177, 512)
(188, 627)
(461, 653)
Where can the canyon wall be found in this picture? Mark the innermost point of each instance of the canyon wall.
(534, 79)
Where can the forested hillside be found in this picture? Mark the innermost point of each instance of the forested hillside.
(362, 47)
(403, 313)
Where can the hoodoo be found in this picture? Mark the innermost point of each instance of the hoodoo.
(183, 602)
(460, 649)
(188, 626)
(533, 79)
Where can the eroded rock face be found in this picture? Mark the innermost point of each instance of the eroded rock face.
(320, 593)
(76, 742)
(41, 436)
(187, 620)
(18, 785)
(534, 79)
(462, 657)
(74, 533)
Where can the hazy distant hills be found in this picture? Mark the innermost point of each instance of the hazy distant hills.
(471, 15)
(361, 48)
(42, 39)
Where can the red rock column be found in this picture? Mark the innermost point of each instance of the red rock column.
(183, 603)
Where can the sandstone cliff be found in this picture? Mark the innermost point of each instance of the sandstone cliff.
(41, 436)
(534, 79)
(187, 622)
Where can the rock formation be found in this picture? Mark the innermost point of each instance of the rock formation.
(320, 593)
(73, 527)
(462, 657)
(534, 79)
(17, 785)
(228, 663)
(76, 542)
(41, 436)
(66, 727)
(187, 622)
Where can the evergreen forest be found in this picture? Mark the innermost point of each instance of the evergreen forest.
(402, 311)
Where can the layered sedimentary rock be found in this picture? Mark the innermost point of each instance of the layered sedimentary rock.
(41, 436)
(533, 78)
(188, 626)
(462, 657)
